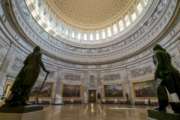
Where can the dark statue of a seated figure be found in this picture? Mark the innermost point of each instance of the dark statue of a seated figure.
(26, 79)
(169, 88)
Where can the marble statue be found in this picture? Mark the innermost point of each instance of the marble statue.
(169, 86)
(26, 79)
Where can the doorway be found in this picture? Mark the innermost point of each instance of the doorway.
(92, 96)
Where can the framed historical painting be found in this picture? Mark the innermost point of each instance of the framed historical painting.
(46, 91)
(145, 89)
(71, 90)
(114, 90)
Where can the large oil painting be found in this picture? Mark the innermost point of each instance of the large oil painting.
(115, 90)
(71, 90)
(145, 88)
(46, 91)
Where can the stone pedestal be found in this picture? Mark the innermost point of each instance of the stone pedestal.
(22, 113)
(156, 115)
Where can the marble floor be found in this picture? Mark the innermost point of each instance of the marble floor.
(95, 112)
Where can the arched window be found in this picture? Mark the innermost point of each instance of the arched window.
(115, 29)
(133, 16)
(79, 36)
(139, 8)
(97, 35)
(91, 36)
(127, 20)
(85, 36)
(72, 34)
(109, 32)
(103, 34)
(121, 25)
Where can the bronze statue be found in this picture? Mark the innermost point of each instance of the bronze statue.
(26, 79)
(170, 80)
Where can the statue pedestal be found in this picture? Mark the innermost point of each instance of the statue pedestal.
(22, 113)
(156, 115)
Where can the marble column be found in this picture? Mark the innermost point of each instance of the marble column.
(130, 87)
(58, 90)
